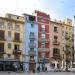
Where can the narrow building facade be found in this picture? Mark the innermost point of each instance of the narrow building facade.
(55, 44)
(30, 42)
(43, 20)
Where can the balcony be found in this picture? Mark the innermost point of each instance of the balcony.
(32, 53)
(18, 41)
(55, 42)
(2, 52)
(56, 56)
(43, 31)
(31, 61)
(32, 37)
(45, 60)
(44, 40)
(43, 49)
(17, 51)
(32, 45)
(67, 37)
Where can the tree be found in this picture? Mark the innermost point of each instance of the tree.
(68, 58)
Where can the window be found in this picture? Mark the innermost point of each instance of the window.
(32, 49)
(55, 37)
(16, 47)
(62, 33)
(1, 47)
(43, 29)
(43, 35)
(17, 36)
(43, 55)
(10, 26)
(31, 18)
(31, 57)
(63, 56)
(56, 51)
(9, 55)
(66, 35)
(31, 41)
(17, 27)
(31, 33)
(32, 25)
(43, 26)
(2, 34)
(9, 34)
(55, 29)
(2, 25)
(43, 45)
(9, 45)
(17, 17)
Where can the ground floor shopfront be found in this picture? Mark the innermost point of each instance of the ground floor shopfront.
(12, 65)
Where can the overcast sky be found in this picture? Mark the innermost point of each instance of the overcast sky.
(58, 9)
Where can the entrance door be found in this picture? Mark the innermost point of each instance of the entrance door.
(32, 67)
(1, 66)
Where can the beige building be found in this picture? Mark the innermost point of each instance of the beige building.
(55, 43)
(11, 38)
(61, 43)
(68, 42)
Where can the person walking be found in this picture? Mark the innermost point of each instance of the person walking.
(38, 69)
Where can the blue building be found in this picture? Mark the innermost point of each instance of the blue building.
(30, 43)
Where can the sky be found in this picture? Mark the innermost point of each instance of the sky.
(57, 9)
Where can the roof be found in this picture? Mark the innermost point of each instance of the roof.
(4, 18)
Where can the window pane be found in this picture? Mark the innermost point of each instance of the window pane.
(17, 27)
(43, 35)
(16, 47)
(2, 25)
(1, 47)
(32, 25)
(9, 34)
(2, 34)
(31, 33)
(55, 37)
(55, 29)
(17, 36)
(9, 45)
(10, 26)
(43, 26)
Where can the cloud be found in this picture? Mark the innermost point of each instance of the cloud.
(18, 6)
(57, 9)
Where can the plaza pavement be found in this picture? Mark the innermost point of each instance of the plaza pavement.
(42, 73)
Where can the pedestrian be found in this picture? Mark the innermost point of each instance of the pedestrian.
(45, 69)
(38, 69)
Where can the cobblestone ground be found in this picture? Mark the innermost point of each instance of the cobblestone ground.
(43, 73)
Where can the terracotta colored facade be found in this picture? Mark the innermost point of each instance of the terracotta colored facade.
(43, 35)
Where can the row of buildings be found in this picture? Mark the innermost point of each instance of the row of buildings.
(30, 41)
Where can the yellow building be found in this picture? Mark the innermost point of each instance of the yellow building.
(11, 38)
(67, 42)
